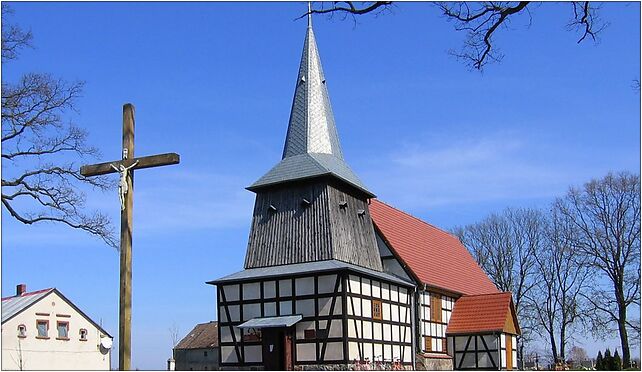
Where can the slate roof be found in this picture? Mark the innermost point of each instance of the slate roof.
(435, 257)
(312, 144)
(314, 266)
(12, 306)
(203, 336)
(492, 312)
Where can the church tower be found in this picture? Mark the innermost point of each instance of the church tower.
(311, 206)
(313, 293)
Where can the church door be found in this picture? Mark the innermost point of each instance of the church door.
(277, 349)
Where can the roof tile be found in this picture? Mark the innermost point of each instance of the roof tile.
(434, 256)
(481, 313)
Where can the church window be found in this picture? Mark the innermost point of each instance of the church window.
(83, 334)
(22, 331)
(376, 309)
(42, 326)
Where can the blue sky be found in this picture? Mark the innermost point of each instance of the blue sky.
(214, 83)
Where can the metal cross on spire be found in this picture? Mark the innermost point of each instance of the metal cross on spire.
(309, 14)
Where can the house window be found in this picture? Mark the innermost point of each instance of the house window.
(63, 330)
(83, 334)
(22, 331)
(309, 334)
(43, 327)
(205, 354)
(376, 309)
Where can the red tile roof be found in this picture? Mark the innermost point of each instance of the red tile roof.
(483, 313)
(434, 256)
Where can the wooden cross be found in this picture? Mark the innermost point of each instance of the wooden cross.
(126, 168)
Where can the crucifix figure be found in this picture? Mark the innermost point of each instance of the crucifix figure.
(126, 167)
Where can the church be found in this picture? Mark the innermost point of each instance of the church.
(335, 279)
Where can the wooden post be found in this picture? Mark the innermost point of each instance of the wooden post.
(126, 167)
(126, 221)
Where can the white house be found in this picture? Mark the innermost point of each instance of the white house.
(43, 330)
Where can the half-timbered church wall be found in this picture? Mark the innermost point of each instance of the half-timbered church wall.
(346, 316)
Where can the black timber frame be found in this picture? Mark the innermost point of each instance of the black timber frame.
(322, 335)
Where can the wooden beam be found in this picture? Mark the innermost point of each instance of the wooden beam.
(143, 162)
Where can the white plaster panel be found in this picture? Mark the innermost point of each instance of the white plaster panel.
(514, 343)
(367, 330)
(253, 354)
(222, 314)
(356, 305)
(327, 282)
(451, 346)
(337, 306)
(394, 293)
(365, 287)
(306, 352)
(395, 333)
(394, 313)
(269, 308)
(285, 288)
(378, 352)
(336, 329)
(503, 353)
(351, 328)
(228, 355)
(251, 311)
(305, 307)
(407, 354)
(403, 295)
(491, 341)
(367, 351)
(387, 352)
(323, 324)
(251, 291)
(354, 285)
(385, 311)
(366, 306)
(484, 360)
(385, 291)
(387, 331)
(231, 292)
(469, 361)
(396, 351)
(235, 312)
(408, 334)
(301, 327)
(333, 351)
(377, 332)
(503, 340)
(376, 289)
(403, 317)
(324, 305)
(304, 286)
(460, 343)
(353, 351)
(269, 289)
(285, 307)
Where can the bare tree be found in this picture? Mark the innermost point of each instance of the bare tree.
(504, 246)
(40, 180)
(481, 21)
(173, 332)
(558, 301)
(606, 215)
(578, 354)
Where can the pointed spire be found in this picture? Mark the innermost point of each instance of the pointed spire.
(311, 128)
(309, 14)
(312, 144)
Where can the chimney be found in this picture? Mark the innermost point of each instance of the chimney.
(21, 289)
